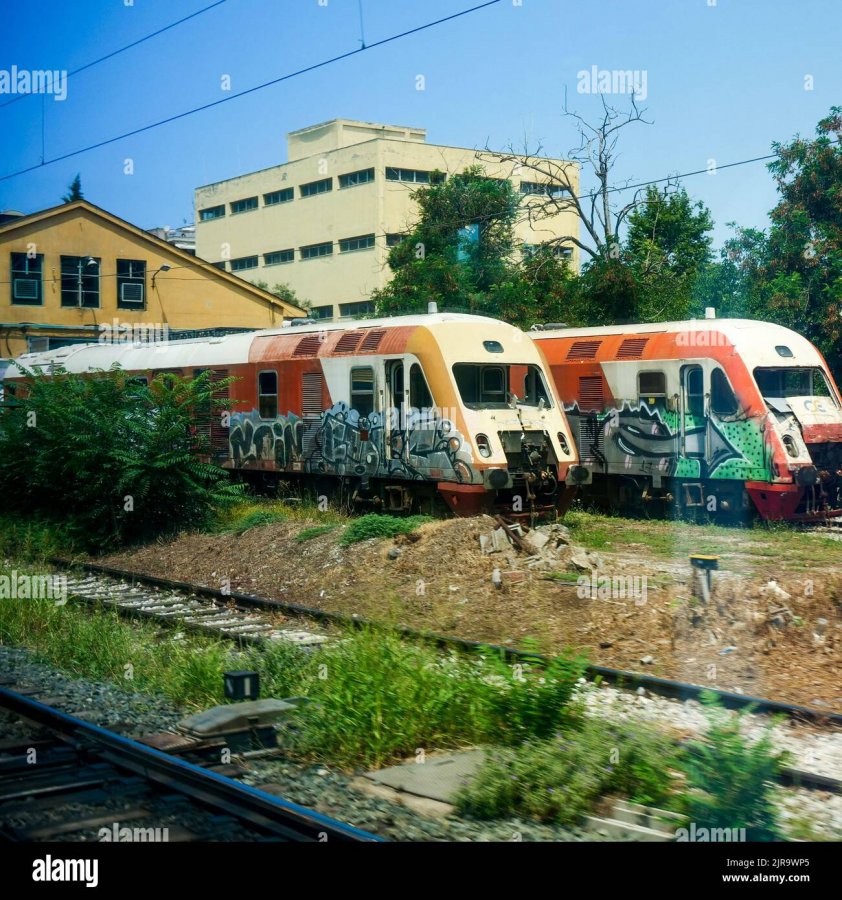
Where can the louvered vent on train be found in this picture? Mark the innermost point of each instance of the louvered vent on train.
(372, 339)
(590, 392)
(583, 349)
(348, 342)
(632, 348)
(308, 346)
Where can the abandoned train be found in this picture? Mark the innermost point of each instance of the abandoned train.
(726, 417)
(401, 414)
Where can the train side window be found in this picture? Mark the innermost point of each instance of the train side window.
(652, 390)
(362, 390)
(419, 394)
(723, 400)
(267, 394)
(695, 391)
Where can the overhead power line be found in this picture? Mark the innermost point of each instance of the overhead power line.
(251, 90)
(102, 59)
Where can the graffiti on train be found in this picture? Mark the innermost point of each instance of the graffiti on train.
(640, 437)
(343, 442)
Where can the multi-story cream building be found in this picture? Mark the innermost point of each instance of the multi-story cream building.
(324, 221)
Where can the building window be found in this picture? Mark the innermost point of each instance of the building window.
(267, 394)
(241, 206)
(131, 283)
(26, 279)
(80, 281)
(542, 189)
(278, 257)
(362, 390)
(212, 212)
(316, 187)
(417, 176)
(313, 251)
(219, 265)
(392, 240)
(360, 308)
(364, 242)
(321, 312)
(243, 263)
(283, 196)
(352, 179)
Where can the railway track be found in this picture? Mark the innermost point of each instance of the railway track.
(66, 776)
(246, 617)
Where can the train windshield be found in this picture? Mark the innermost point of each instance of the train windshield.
(778, 384)
(487, 386)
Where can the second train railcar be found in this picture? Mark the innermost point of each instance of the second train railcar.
(397, 412)
(721, 416)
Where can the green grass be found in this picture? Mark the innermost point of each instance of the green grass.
(307, 534)
(378, 526)
(32, 540)
(562, 778)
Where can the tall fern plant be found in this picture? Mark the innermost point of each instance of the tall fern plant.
(115, 460)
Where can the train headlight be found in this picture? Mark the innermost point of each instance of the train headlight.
(483, 445)
(563, 441)
(454, 444)
(789, 444)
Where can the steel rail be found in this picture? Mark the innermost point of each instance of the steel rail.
(259, 809)
(664, 687)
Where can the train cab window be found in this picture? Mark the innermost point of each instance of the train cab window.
(267, 394)
(493, 383)
(419, 394)
(777, 384)
(694, 389)
(723, 400)
(652, 390)
(362, 390)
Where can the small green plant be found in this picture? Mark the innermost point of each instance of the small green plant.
(562, 778)
(730, 778)
(375, 525)
(257, 518)
(307, 534)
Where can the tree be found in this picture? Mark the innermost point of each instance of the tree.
(283, 292)
(74, 190)
(803, 264)
(459, 250)
(667, 248)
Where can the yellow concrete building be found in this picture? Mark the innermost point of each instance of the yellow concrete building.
(324, 221)
(78, 273)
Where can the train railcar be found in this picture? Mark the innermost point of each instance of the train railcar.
(725, 417)
(400, 413)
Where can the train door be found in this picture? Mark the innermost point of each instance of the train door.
(396, 411)
(692, 412)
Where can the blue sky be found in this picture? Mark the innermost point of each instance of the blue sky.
(723, 82)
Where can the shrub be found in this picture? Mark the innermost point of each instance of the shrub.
(562, 778)
(730, 779)
(375, 525)
(110, 458)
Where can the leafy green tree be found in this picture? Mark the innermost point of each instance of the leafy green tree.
(110, 458)
(74, 190)
(803, 266)
(283, 292)
(459, 249)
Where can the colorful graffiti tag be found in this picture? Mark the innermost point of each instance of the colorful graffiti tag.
(423, 446)
(637, 438)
